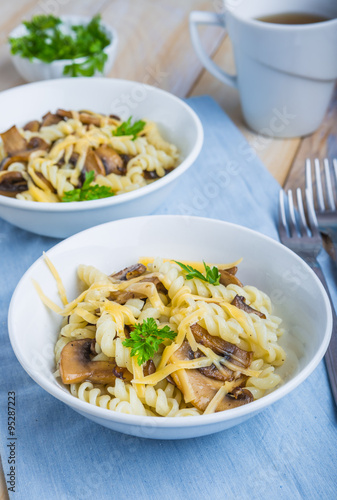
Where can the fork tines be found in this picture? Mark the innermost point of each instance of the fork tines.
(295, 222)
(325, 183)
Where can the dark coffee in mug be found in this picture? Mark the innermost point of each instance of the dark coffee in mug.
(294, 18)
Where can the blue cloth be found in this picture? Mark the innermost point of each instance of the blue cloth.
(288, 451)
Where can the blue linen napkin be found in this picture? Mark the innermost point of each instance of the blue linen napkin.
(286, 452)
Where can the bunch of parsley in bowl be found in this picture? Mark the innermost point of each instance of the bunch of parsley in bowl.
(48, 47)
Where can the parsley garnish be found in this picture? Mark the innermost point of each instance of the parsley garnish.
(87, 67)
(212, 275)
(87, 192)
(146, 338)
(45, 40)
(126, 128)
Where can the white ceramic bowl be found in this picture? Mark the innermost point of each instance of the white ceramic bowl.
(176, 120)
(33, 329)
(35, 70)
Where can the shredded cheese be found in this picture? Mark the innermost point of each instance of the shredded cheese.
(199, 266)
(213, 404)
(60, 286)
(46, 300)
(172, 367)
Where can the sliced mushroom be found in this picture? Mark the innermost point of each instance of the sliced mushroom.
(149, 368)
(150, 175)
(170, 380)
(232, 270)
(112, 161)
(240, 303)
(84, 116)
(33, 126)
(73, 159)
(13, 141)
(12, 183)
(226, 375)
(156, 281)
(126, 158)
(129, 272)
(121, 297)
(35, 144)
(213, 372)
(93, 162)
(88, 119)
(140, 290)
(6, 162)
(239, 393)
(76, 365)
(199, 389)
(64, 114)
(233, 353)
(50, 119)
(229, 278)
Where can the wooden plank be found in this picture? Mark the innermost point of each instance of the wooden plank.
(322, 144)
(151, 42)
(276, 154)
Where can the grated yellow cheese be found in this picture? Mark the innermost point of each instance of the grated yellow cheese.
(172, 367)
(199, 266)
(46, 300)
(60, 286)
(213, 404)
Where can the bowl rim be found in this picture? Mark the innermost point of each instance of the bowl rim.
(62, 62)
(75, 206)
(175, 422)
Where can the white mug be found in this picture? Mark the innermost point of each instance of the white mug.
(285, 73)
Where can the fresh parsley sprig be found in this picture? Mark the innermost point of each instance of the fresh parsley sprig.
(126, 128)
(47, 40)
(146, 338)
(88, 192)
(88, 67)
(212, 275)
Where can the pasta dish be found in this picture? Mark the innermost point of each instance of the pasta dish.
(166, 338)
(80, 156)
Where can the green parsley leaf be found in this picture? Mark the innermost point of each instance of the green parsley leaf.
(87, 67)
(88, 192)
(45, 40)
(126, 128)
(212, 275)
(146, 338)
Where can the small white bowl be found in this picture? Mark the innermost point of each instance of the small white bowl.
(178, 123)
(303, 306)
(35, 70)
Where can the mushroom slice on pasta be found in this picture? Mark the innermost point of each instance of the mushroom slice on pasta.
(76, 365)
(200, 390)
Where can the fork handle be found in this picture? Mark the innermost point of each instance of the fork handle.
(332, 233)
(331, 353)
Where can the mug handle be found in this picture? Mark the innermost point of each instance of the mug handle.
(199, 17)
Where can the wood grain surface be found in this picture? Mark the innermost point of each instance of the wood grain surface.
(155, 47)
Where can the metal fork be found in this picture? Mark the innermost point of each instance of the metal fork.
(325, 205)
(304, 239)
